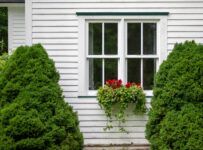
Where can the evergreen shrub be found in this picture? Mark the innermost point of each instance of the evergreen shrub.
(178, 83)
(33, 113)
(182, 130)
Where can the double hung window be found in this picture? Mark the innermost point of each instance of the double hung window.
(121, 48)
(141, 53)
(102, 53)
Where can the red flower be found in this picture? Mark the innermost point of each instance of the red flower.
(118, 83)
(114, 83)
(138, 85)
(128, 85)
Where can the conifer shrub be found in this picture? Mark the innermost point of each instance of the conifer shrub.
(178, 83)
(182, 130)
(33, 113)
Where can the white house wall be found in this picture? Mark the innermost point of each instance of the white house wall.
(55, 25)
(16, 27)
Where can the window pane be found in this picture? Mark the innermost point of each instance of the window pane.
(149, 38)
(149, 69)
(134, 38)
(110, 38)
(95, 38)
(111, 69)
(95, 73)
(134, 70)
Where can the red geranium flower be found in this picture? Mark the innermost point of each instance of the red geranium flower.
(118, 83)
(128, 85)
(138, 85)
(114, 83)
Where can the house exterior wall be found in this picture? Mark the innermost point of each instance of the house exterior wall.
(16, 26)
(54, 23)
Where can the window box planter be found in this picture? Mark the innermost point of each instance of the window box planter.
(114, 98)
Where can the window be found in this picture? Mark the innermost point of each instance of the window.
(141, 53)
(141, 58)
(102, 53)
(120, 48)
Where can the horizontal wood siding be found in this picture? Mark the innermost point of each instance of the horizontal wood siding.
(16, 27)
(93, 120)
(55, 25)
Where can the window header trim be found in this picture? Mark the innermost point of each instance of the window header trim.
(122, 13)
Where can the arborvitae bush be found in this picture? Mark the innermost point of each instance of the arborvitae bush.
(178, 83)
(33, 113)
(182, 130)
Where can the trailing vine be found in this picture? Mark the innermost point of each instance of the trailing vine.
(114, 98)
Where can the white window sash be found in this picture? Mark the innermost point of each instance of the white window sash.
(141, 56)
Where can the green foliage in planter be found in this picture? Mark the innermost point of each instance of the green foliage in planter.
(33, 113)
(179, 82)
(3, 59)
(115, 101)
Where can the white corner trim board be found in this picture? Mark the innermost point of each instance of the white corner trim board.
(28, 21)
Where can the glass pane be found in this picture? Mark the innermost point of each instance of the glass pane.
(110, 38)
(149, 38)
(95, 73)
(111, 69)
(95, 38)
(134, 70)
(134, 38)
(149, 69)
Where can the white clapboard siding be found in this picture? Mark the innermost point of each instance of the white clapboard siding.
(66, 65)
(56, 41)
(68, 89)
(71, 92)
(54, 35)
(68, 82)
(183, 17)
(60, 46)
(188, 28)
(183, 34)
(68, 76)
(61, 11)
(114, 135)
(68, 53)
(113, 130)
(93, 121)
(103, 117)
(54, 17)
(65, 59)
(193, 22)
(55, 30)
(114, 123)
(106, 141)
(68, 70)
(55, 25)
(118, 5)
(16, 27)
(179, 40)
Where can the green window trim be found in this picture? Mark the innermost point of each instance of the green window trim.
(122, 13)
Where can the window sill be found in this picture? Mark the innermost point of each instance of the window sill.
(93, 94)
